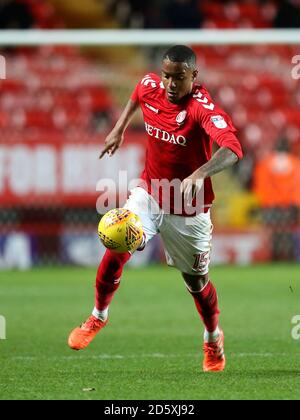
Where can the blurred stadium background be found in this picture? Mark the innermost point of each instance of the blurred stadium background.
(58, 102)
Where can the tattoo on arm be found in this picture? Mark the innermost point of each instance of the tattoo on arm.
(222, 159)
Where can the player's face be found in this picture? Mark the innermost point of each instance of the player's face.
(177, 79)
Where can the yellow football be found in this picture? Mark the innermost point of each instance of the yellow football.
(121, 230)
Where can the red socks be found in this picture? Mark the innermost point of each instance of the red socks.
(207, 305)
(108, 281)
(108, 277)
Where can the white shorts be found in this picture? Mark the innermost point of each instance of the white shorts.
(187, 240)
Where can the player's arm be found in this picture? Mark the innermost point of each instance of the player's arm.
(116, 137)
(221, 160)
(218, 125)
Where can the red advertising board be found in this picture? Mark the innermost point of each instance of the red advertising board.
(63, 173)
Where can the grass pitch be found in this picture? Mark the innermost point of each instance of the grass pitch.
(151, 348)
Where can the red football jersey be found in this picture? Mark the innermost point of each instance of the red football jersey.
(180, 136)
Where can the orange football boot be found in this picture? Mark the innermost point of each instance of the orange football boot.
(214, 357)
(81, 337)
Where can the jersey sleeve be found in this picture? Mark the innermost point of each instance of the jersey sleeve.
(218, 125)
(230, 141)
(146, 85)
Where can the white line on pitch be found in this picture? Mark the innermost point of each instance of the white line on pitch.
(140, 356)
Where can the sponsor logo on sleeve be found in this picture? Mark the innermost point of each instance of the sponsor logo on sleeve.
(219, 121)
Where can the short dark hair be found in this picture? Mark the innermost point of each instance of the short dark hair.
(181, 54)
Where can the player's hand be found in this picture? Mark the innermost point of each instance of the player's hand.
(190, 187)
(112, 142)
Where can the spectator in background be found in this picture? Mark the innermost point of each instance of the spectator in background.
(15, 14)
(277, 186)
(182, 14)
(288, 14)
(156, 13)
(136, 13)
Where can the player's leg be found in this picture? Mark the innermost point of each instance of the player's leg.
(109, 275)
(110, 270)
(107, 283)
(188, 245)
(206, 301)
